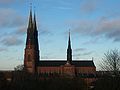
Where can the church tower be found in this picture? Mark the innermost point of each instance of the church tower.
(69, 51)
(31, 56)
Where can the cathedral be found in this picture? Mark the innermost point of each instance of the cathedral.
(67, 67)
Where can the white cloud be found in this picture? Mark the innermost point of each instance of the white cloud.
(21, 30)
(10, 18)
(11, 41)
(83, 54)
(89, 6)
(106, 27)
(79, 49)
(3, 49)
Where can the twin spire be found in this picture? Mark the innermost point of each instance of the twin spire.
(32, 21)
(32, 33)
(32, 28)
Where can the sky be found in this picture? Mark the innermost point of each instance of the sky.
(94, 27)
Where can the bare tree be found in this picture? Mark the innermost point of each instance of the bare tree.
(111, 61)
(19, 68)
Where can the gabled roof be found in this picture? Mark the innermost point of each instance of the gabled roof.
(54, 63)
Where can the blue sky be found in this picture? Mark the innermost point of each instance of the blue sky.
(94, 25)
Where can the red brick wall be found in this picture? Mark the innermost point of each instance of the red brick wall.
(63, 69)
(49, 70)
(86, 70)
(70, 70)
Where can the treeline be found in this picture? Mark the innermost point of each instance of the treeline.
(25, 81)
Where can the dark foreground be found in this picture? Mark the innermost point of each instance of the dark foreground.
(33, 82)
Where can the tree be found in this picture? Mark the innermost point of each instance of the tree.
(19, 68)
(111, 61)
(111, 79)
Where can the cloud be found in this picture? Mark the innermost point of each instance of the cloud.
(87, 53)
(108, 28)
(79, 49)
(10, 18)
(43, 30)
(11, 41)
(21, 30)
(3, 49)
(88, 6)
(83, 54)
(93, 41)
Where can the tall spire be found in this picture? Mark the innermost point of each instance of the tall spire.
(30, 17)
(35, 32)
(31, 57)
(69, 41)
(69, 51)
(34, 22)
(29, 40)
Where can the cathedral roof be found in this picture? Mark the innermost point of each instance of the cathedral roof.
(56, 63)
